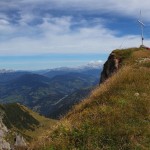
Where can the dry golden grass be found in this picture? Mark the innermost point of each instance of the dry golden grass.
(116, 116)
(37, 133)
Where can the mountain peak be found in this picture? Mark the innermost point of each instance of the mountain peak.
(118, 58)
(6, 71)
(94, 64)
(116, 114)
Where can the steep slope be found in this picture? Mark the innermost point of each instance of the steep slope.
(116, 115)
(15, 116)
(115, 61)
(17, 121)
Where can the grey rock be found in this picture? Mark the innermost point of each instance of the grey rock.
(20, 141)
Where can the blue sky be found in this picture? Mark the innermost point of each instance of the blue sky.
(48, 61)
(40, 34)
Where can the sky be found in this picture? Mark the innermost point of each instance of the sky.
(42, 34)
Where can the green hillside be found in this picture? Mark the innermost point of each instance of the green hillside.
(40, 93)
(116, 116)
(21, 120)
(16, 117)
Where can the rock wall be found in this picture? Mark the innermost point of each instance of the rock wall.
(3, 133)
(19, 141)
(110, 67)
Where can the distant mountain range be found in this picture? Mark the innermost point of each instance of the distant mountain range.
(49, 92)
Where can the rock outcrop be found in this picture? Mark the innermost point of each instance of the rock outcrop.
(3, 133)
(110, 67)
(20, 141)
(5, 144)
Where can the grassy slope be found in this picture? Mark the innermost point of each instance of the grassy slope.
(20, 119)
(116, 115)
(16, 117)
(44, 127)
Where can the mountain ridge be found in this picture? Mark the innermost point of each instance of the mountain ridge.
(116, 114)
(39, 92)
(19, 126)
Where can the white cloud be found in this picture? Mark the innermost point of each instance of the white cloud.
(56, 34)
(122, 7)
(57, 37)
(3, 22)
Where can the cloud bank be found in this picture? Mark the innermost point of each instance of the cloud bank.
(68, 26)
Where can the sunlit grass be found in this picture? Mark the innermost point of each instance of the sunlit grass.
(116, 116)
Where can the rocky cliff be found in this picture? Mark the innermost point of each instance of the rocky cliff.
(3, 133)
(110, 67)
(116, 115)
(115, 60)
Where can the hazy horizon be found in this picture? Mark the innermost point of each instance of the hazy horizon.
(32, 29)
(48, 61)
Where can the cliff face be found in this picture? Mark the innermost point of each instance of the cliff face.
(110, 67)
(115, 60)
(115, 115)
(3, 133)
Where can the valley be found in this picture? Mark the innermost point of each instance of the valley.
(74, 75)
(48, 92)
(114, 115)
(19, 126)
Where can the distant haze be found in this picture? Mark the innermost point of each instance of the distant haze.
(38, 62)
(37, 28)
